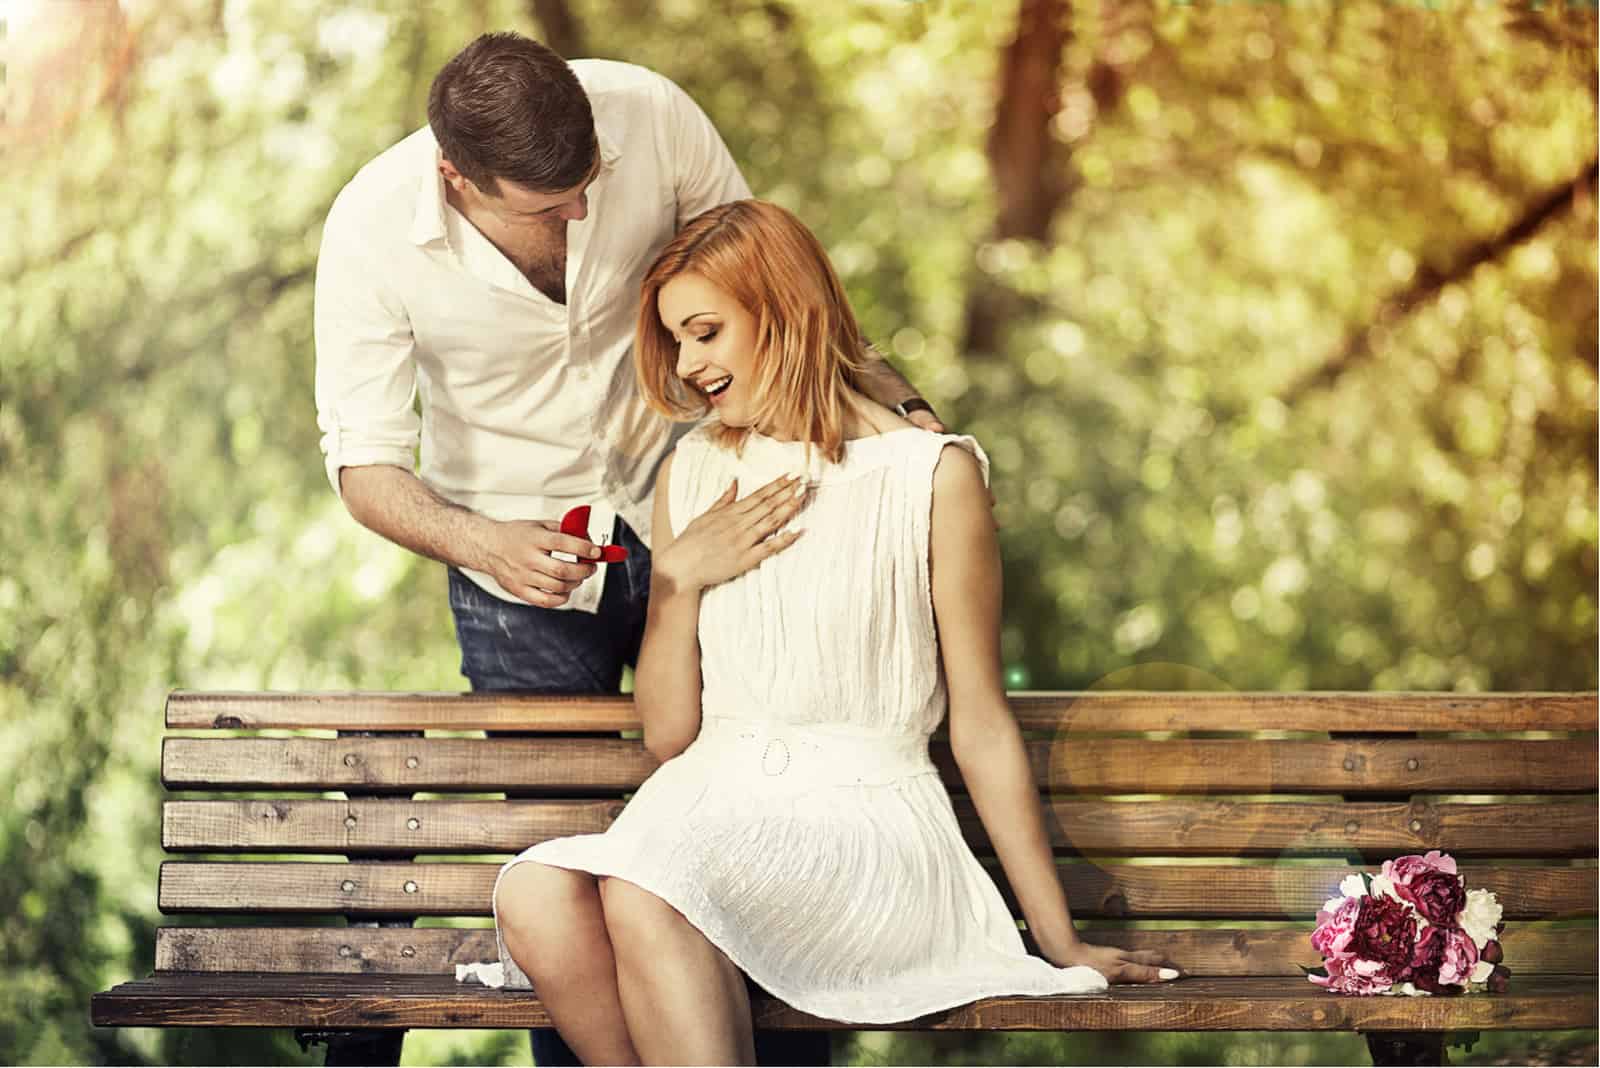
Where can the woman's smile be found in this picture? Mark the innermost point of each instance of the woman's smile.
(716, 336)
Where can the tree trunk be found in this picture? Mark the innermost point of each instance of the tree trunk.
(559, 27)
(1027, 165)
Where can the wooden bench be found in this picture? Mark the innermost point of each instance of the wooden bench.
(1262, 814)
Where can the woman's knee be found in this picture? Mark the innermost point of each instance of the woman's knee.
(637, 920)
(532, 897)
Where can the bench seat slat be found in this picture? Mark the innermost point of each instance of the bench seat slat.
(1093, 890)
(1068, 710)
(1232, 1004)
(1532, 949)
(1080, 765)
(1185, 827)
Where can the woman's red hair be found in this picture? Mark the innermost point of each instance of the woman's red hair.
(809, 353)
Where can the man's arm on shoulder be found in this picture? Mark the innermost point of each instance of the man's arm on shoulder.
(887, 386)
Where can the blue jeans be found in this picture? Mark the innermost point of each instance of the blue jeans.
(507, 646)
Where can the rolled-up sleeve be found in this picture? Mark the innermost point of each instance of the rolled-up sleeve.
(366, 378)
(704, 174)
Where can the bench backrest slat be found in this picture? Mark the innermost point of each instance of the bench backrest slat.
(1064, 710)
(1113, 890)
(405, 764)
(433, 950)
(1553, 827)
(1079, 764)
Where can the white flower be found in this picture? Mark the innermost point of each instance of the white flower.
(1480, 917)
(1481, 973)
(1404, 990)
(1353, 886)
(1383, 886)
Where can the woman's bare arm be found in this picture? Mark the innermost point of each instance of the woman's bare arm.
(666, 681)
(965, 558)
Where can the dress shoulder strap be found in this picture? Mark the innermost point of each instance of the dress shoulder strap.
(926, 457)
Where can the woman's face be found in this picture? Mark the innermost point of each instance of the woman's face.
(716, 344)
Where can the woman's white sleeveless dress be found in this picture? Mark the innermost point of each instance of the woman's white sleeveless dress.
(805, 831)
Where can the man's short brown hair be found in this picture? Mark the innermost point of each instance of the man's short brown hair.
(508, 107)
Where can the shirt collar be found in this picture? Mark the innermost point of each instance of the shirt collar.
(609, 152)
(428, 224)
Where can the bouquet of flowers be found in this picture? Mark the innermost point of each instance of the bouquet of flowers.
(1414, 928)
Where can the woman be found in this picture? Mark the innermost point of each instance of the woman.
(796, 831)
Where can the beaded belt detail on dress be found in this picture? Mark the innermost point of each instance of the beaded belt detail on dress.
(811, 754)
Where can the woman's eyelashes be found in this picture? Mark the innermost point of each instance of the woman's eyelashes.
(704, 339)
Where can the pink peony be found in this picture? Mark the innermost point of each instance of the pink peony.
(1334, 929)
(1404, 869)
(1460, 958)
(1346, 975)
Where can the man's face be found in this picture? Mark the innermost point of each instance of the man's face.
(518, 207)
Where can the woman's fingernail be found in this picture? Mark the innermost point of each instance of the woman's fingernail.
(1167, 973)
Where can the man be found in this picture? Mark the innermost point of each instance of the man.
(491, 262)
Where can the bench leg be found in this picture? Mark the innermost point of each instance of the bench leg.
(356, 1047)
(802, 1048)
(1406, 1047)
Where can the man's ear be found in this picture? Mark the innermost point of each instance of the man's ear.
(453, 178)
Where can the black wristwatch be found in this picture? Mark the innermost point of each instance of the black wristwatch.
(915, 404)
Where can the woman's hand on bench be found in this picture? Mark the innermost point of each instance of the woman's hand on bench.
(1117, 965)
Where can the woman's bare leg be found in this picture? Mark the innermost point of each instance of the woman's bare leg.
(685, 1001)
(555, 929)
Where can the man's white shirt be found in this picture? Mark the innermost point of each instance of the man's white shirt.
(529, 407)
